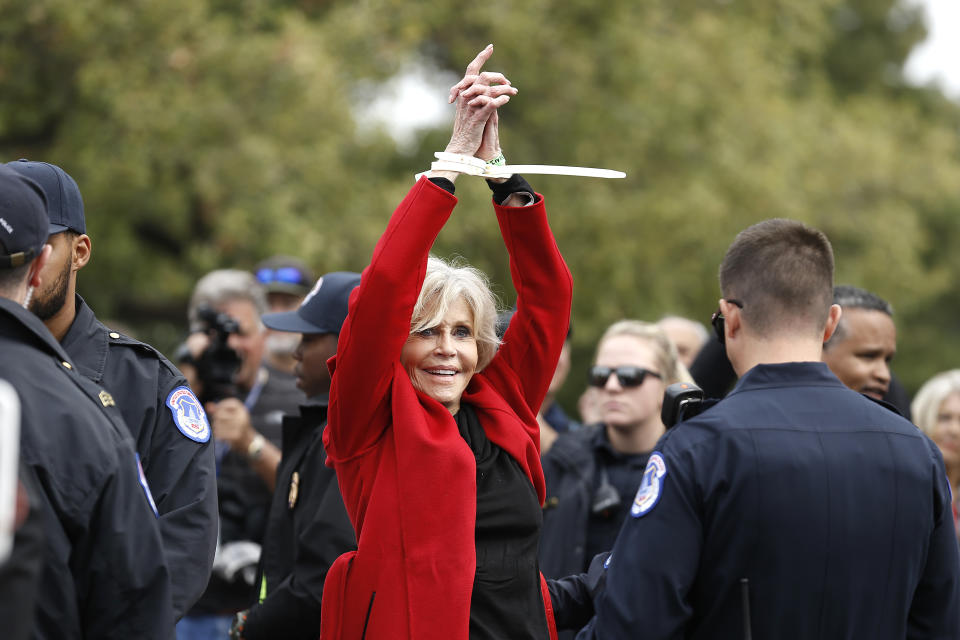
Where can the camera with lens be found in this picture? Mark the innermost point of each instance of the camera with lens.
(218, 364)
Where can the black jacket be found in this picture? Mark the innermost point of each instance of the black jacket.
(827, 513)
(307, 530)
(178, 463)
(574, 469)
(243, 496)
(104, 575)
(568, 469)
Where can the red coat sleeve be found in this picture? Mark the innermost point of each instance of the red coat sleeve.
(538, 329)
(378, 322)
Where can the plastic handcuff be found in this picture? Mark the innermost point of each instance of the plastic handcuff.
(476, 167)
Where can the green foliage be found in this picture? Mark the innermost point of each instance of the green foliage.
(207, 134)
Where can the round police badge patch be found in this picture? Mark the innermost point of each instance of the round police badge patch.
(188, 414)
(650, 487)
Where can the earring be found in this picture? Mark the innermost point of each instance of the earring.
(29, 296)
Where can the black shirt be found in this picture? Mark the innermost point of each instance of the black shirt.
(506, 601)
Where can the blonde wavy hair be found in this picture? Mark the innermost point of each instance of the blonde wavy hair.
(444, 284)
(926, 404)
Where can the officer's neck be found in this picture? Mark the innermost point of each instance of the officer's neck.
(60, 322)
(636, 438)
(748, 352)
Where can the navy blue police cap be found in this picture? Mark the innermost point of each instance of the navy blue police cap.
(323, 310)
(64, 203)
(23, 219)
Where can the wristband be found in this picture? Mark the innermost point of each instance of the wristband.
(499, 161)
(255, 450)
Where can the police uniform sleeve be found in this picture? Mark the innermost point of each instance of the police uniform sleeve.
(121, 574)
(291, 609)
(655, 557)
(182, 477)
(935, 610)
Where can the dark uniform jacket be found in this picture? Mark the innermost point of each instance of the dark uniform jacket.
(833, 508)
(243, 496)
(572, 469)
(179, 468)
(307, 530)
(104, 574)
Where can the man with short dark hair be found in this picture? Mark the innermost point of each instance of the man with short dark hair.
(166, 421)
(795, 507)
(308, 527)
(104, 573)
(860, 350)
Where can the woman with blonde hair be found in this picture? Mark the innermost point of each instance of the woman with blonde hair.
(592, 474)
(432, 429)
(936, 410)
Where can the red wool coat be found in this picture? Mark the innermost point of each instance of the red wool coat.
(407, 476)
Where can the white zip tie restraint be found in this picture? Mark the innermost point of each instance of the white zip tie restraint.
(476, 167)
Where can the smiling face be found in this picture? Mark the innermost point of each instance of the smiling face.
(946, 431)
(862, 357)
(441, 360)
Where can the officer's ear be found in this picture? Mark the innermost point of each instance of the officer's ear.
(732, 320)
(833, 319)
(81, 251)
(33, 276)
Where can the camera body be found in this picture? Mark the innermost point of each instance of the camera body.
(218, 364)
(681, 400)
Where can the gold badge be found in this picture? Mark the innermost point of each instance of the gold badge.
(106, 399)
(294, 489)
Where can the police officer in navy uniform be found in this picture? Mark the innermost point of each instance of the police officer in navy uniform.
(308, 527)
(168, 424)
(104, 573)
(795, 507)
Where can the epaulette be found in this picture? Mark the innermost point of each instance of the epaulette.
(123, 340)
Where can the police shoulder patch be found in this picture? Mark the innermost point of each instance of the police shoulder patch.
(650, 487)
(188, 414)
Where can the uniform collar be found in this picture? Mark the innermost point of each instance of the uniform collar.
(786, 374)
(34, 326)
(86, 340)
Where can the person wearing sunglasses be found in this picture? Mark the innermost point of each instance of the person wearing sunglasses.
(795, 507)
(592, 473)
(286, 280)
(432, 425)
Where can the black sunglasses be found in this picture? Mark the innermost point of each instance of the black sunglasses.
(717, 319)
(628, 376)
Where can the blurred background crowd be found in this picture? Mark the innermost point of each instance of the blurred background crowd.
(230, 152)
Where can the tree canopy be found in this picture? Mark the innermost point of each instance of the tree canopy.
(206, 134)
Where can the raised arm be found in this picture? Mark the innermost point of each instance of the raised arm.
(378, 322)
(532, 343)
